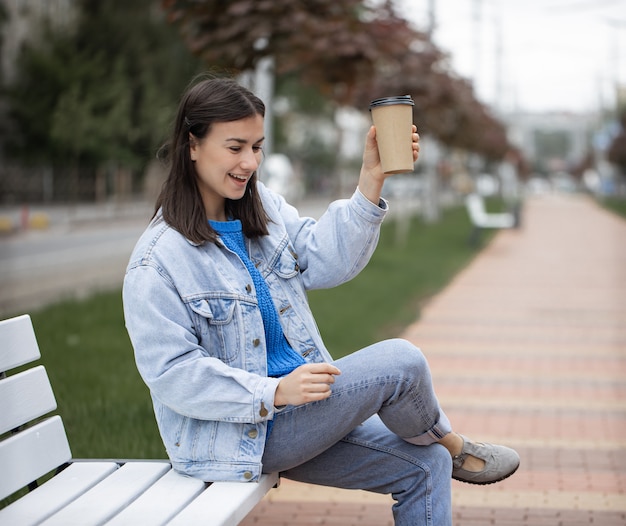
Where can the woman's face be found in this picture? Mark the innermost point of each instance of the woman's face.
(225, 161)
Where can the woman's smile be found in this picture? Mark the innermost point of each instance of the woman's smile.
(240, 178)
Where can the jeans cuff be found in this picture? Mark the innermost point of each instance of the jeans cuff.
(434, 434)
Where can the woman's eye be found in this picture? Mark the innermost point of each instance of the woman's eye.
(257, 149)
(235, 149)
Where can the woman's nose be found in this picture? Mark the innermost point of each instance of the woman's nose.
(250, 160)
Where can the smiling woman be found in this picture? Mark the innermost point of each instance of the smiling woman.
(241, 381)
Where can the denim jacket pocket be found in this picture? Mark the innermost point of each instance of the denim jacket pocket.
(286, 265)
(218, 326)
(188, 439)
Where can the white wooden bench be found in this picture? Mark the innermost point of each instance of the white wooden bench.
(90, 492)
(481, 219)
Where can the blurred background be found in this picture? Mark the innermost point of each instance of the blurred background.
(88, 88)
(510, 99)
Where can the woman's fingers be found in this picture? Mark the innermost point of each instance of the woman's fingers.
(307, 383)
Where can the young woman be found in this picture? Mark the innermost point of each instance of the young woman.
(216, 308)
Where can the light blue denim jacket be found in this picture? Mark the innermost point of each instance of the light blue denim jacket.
(192, 316)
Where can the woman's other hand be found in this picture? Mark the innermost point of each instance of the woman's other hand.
(308, 383)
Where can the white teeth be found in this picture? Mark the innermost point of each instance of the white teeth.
(239, 177)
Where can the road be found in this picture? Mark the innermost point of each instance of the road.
(85, 249)
(38, 267)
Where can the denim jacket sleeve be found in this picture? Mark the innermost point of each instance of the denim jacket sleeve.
(335, 248)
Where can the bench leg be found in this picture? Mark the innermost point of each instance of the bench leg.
(474, 237)
(517, 214)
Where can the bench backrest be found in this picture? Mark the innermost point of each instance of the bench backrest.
(476, 208)
(28, 449)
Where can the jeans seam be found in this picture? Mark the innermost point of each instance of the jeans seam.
(386, 449)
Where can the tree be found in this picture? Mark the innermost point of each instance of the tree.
(327, 43)
(351, 51)
(99, 97)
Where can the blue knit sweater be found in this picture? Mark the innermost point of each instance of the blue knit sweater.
(281, 358)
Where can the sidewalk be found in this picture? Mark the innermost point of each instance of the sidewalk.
(527, 347)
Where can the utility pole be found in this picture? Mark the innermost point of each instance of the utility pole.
(477, 17)
(499, 62)
(616, 25)
(430, 196)
(432, 24)
(261, 82)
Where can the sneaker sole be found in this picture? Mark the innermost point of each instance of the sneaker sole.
(477, 483)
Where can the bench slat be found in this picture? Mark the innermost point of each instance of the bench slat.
(105, 500)
(29, 454)
(25, 397)
(160, 503)
(19, 344)
(56, 493)
(225, 503)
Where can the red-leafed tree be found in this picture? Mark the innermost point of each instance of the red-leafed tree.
(333, 45)
(350, 51)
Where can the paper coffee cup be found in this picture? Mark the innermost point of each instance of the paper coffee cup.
(393, 119)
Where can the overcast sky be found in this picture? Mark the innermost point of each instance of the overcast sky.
(532, 55)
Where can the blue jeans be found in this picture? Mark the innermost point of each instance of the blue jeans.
(376, 432)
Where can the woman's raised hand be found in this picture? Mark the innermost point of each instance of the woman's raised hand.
(372, 177)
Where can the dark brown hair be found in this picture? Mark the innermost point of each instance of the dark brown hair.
(207, 101)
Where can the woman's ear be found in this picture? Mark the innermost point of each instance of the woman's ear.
(193, 147)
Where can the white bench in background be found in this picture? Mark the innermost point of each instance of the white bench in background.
(481, 219)
(90, 492)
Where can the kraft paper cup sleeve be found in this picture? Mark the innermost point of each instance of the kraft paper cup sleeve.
(393, 119)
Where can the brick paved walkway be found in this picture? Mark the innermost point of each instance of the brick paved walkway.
(528, 347)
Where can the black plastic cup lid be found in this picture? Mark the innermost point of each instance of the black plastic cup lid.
(388, 101)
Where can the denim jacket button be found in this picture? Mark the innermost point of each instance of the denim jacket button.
(253, 433)
(256, 342)
(248, 288)
(247, 475)
(263, 412)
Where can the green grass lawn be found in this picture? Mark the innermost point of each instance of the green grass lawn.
(106, 407)
(615, 204)
(400, 277)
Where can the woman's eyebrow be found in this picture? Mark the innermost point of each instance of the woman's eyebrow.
(244, 141)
